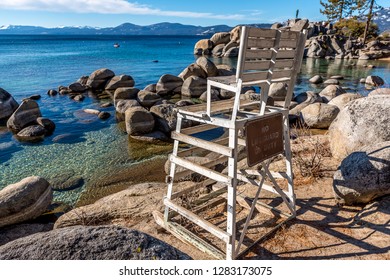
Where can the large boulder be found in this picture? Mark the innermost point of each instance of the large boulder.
(119, 82)
(99, 78)
(125, 93)
(193, 70)
(319, 115)
(148, 98)
(123, 205)
(300, 25)
(278, 91)
(165, 117)
(90, 243)
(77, 87)
(363, 175)
(330, 92)
(362, 122)
(342, 100)
(380, 91)
(168, 84)
(7, 104)
(235, 34)
(203, 45)
(26, 114)
(138, 121)
(218, 50)
(308, 96)
(220, 38)
(208, 66)
(125, 104)
(194, 86)
(24, 200)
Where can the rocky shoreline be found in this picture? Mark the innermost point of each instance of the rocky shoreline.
(358, 140)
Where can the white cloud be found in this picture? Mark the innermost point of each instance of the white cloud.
(107, 7)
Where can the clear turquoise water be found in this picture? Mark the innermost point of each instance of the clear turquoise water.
(92, 148)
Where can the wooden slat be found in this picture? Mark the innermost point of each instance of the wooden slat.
(197, 128)
(260, 43)
(198, 220)
(192, 150)
(196, 186)
(288, 43)
(285, 54)
(207, 145)
(291, 35)
(187, 236)
(265, 64)
(260, 32)
(277, 74)
(209, 164)
(200, 169)
(256, 53)
(254, 76)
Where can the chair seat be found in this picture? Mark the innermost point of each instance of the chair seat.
(227, 80)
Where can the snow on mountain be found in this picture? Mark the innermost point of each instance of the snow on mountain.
(382, 19)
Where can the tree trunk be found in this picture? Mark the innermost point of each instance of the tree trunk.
(369, 16)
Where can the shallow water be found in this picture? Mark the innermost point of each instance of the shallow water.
(84, 145)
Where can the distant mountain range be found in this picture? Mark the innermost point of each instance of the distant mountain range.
(164, 28)
(382, 19)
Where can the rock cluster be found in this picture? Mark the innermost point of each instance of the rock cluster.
(25, 120)
(323, 42)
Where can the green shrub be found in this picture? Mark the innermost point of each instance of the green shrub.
(353, 28)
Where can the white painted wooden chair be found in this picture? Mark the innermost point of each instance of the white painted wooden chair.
(266, 56)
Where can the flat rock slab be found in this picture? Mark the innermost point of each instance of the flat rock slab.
(90, 243)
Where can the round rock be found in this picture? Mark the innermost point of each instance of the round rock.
(24, 200)
(362, 122)
(363, 175)
(138, 121)
(24, 115)
(194, 86)
(319, 115)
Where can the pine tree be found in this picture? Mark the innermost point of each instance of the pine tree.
(337, 9)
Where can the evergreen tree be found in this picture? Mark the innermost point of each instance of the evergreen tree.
(337, 9)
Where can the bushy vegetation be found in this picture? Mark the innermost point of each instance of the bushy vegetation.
(354, 28)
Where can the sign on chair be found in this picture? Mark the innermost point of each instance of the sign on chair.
(264, 138)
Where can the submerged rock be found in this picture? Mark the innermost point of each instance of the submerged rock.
(34, 133)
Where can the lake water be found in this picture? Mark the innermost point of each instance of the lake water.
(84, 146)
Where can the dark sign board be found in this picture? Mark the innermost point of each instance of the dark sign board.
(264, 137)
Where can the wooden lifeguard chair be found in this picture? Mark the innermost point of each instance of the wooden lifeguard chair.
(266, 56)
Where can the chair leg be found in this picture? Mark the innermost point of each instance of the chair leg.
(172, 170)
(232, 188)
(289, 172)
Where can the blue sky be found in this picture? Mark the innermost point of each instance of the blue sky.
(107, 13)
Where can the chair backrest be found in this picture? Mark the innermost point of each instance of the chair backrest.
(270, 55)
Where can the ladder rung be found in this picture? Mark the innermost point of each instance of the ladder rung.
(198, 220)
(211, 146)
(197, 128)
(192, 150)
(209, 164)
(200, 169)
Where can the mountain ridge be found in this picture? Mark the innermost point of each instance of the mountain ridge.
(163, 28)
